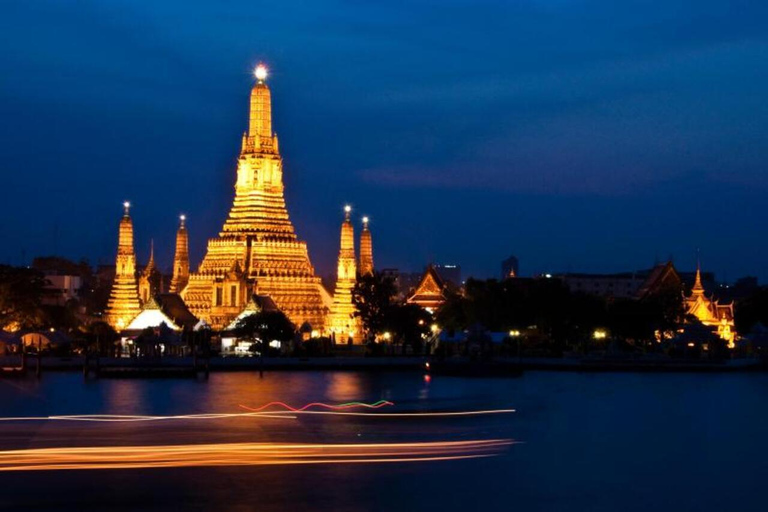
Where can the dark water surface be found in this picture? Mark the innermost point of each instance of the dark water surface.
(588, 442)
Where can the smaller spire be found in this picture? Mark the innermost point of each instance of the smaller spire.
(698, 288)
(347, 212)
(150, 268)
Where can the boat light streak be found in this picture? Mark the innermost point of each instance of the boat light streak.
(395, 414)
(122, 418)
(244, 454)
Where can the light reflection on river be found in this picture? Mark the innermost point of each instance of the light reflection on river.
(590, 442)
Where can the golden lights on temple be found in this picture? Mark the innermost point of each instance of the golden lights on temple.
(123, 304)
(258, 253)
(344, 325)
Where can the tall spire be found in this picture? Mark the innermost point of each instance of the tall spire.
(151, 263)
(366, 250)
(343, 322)
(150, 281)
(260, 124)
(698, 288)
(347, 267)
(260, 236)
(123, 303)
(181, 258)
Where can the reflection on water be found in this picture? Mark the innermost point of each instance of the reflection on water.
(344, 386)
(589, 442)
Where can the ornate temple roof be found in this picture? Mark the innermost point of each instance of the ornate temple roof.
(165, 308)
(429, 293)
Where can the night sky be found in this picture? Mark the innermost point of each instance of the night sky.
(577, 135)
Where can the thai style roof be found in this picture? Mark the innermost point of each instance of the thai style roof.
(165, 309)
(430, 291)
(257, 304)
(657, 277)
(55, 338)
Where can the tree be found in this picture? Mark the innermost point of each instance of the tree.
(372, 296)
(752, 310)
(409, 324)
(21, 295)
(101, 338)
(265, 326)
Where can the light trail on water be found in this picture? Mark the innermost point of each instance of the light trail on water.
(395, 414)
(244, 454)
(289, 412)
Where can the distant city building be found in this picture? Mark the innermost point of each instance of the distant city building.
(64, 278)
(622, 285)
(450, 273)
(510, 268)
(405, 282)
(61, 289)
(741, 289)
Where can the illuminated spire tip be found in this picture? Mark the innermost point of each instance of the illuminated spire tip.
(261, 72)
(126, 206)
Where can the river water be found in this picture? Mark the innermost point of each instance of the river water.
(602, 441)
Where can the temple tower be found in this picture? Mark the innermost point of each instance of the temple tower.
(181, 258)
(366, 250)
(343, 323)
(151, 280)
(709, 311)
(123, 303)
(258, 237)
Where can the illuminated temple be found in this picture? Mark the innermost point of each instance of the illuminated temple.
(366, 250)
(343, 324)
(181, 258)
(123, 303)
(257, 251)
(710, 312)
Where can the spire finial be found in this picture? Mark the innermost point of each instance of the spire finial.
(260, 72)
(347, 211)
(182, 219)
(365, 222)
(127, 208)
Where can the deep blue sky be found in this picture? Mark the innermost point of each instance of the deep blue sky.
(579, 135)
